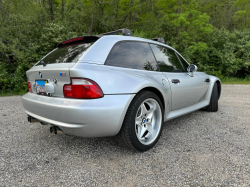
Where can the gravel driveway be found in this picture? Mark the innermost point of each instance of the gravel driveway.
(198, 149)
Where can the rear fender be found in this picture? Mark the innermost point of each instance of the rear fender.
(117, 80)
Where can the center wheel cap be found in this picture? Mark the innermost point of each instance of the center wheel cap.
(143, 120)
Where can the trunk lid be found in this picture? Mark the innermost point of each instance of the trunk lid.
(57, 75)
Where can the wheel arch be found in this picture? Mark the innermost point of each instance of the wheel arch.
(157, 92)
(151, 89)
(219, 88)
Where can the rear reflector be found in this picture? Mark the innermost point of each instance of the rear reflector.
(29, 85)
(82, 89)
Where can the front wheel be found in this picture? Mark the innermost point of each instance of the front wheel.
(142, 125)
(213, 105)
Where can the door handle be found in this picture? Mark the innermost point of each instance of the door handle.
(175, 81)
(207, 80)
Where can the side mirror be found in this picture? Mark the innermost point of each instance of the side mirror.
(191, 69)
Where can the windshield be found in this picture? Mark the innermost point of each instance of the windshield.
(66, 55)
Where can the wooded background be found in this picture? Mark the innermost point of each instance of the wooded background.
(213, 34)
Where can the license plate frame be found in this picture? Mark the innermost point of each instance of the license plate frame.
(40, 87)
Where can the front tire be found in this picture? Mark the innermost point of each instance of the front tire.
(213, 105)
(143, 121)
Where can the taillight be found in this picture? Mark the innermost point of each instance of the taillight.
(29, 85)
(83, 89)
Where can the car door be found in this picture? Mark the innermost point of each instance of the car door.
(185, 90)
(203, 76)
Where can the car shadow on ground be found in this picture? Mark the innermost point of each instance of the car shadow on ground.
(106, 144)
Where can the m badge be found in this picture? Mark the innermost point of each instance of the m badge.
(62, 74)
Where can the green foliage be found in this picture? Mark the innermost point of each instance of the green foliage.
(203, 31)
(233, 80)
(224, 53)
(182, 20)
(242, 16)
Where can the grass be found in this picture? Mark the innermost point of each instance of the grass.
(232, 80)
(11, 93)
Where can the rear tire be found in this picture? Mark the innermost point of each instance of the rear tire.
(143, 121)
(213, 105)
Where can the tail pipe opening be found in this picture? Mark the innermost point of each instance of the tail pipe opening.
(32, 120)
(56, 130)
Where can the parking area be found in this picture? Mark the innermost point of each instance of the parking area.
(198, 149)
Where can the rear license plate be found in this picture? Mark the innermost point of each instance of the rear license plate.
(40, 87)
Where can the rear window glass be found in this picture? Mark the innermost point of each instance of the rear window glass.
(66, 54)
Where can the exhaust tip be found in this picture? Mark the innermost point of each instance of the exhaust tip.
(56, 130)
(32, 120)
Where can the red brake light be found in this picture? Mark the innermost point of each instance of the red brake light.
(72, 40)
(82, 89)
(29, 85)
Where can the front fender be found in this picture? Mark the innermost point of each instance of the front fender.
(213, 80)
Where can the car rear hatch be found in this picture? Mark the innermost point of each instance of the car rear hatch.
(51, 73)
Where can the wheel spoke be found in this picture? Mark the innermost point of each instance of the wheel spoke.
(149, 127)
(143, 109)
(150, 115)
(138, 121)
(143, 130)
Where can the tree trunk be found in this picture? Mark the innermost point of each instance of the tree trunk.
(1, 5)
(63, 4)
(51, 4)
(2, 12)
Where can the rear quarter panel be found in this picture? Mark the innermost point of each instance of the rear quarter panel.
(116, 80)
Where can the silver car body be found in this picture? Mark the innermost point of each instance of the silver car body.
(104, 116)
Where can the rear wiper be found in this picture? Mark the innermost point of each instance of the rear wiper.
(43, 63)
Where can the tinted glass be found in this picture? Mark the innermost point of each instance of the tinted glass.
(166, 59)
(66, 54)
(136, 55)
(184, 63)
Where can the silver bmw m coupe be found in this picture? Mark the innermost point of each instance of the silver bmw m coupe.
(108, 84)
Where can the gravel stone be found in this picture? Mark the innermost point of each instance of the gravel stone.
(198, 149)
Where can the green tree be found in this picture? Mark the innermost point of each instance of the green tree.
(242, 16)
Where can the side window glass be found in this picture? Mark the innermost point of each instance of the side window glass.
(136, 55)
(184, 63)
(166, 59)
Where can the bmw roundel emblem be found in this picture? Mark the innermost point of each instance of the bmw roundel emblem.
(55, 80)
(40, 74)
(143, 120)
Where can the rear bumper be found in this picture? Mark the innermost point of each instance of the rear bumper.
(86, 118)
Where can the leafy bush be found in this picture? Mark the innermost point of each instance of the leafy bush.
(16, 60)
(224, 53)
